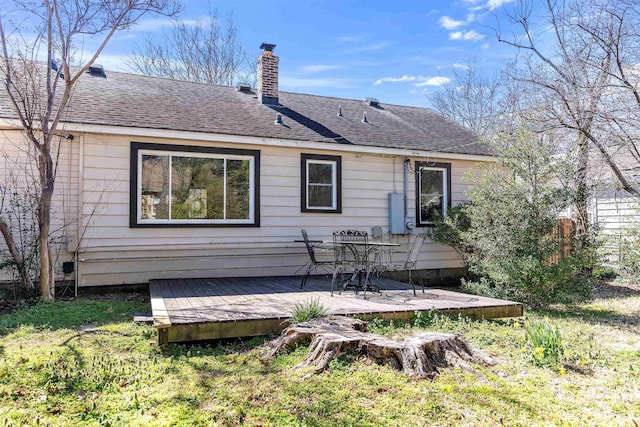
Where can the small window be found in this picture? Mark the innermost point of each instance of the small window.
(321, 185)
(433, 191)
(173, 185)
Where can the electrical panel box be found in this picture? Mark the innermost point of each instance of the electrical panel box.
(396, 213)
(72, 243)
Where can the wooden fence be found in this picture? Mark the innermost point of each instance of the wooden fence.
(564, 231)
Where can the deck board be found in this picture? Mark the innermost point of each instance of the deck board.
(211, 308)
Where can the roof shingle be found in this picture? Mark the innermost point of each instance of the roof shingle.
(131, 100)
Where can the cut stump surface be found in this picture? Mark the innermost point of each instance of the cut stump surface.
(420, 355)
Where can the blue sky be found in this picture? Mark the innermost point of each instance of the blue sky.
(390, 50)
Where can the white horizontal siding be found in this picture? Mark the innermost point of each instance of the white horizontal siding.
(616, 218)
(113, 253)
(617, 214)
(64, 206)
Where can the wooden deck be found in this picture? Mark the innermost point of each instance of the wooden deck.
(203, 309)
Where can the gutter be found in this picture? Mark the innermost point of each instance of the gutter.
(252, 140)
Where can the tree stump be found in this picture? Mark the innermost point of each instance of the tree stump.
(420, 355)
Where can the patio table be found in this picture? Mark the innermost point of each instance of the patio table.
(365, 256)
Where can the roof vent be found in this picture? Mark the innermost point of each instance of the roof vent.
(279, 120)
(55, 67)
(97, 70)
(364, 118)
(243, 87)
(372, 101)
(340, 111)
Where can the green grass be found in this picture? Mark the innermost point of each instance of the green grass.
(307, 310)
(85, 363)
(544, 343)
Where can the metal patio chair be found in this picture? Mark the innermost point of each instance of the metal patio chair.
(352, 257)
(409, 264)
(314, 263)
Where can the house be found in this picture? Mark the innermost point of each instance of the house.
(611, 210)
(615, 212)
(173, 179)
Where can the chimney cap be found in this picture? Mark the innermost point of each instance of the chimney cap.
(267, 47)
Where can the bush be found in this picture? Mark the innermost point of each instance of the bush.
(626, 242)
(505, 234)
(451, 230)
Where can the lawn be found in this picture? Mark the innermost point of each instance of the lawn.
(86, 363)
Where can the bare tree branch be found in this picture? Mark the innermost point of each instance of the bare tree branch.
(206, 51)
(585, 65)
(470, 99)
(40, 96)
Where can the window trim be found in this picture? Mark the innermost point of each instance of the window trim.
(135, 178)
(446, 167)
(305, 159)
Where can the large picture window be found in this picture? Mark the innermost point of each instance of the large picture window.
(321, 186)
(433, 191)
(173, 185)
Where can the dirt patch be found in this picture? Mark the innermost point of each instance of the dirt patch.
(115, 296)
(610, 289)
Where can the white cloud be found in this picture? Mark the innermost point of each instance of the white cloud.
(450, 24)
(473, 35)
(151, 24)
(299, 84)
(404, 78)
(434, 81)
(462, 66)
(318, 68)
(161, 23)
(417, 81)
(372, 47)
(493, 4)
(470, 35)
(349, 39)
(485, 46)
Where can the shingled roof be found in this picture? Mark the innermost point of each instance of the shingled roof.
(131, 100)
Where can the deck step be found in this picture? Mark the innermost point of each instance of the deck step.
(142, 317)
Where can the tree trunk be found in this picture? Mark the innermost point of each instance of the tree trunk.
(17, 256)
(582, 193)
(47, 276)
(420, 356)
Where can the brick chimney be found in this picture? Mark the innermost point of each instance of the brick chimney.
(268, 75)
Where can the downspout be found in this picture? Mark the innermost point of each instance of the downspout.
(79, 219)
(408, 224)
(68, 223)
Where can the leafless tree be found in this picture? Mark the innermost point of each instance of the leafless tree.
(470, 98)
(206, 50)
(18, 222)
(54, 30)
(582, 56)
